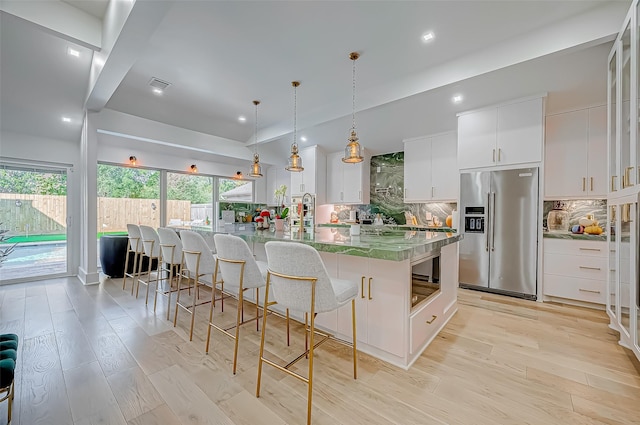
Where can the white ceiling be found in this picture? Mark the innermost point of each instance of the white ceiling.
(221, 55)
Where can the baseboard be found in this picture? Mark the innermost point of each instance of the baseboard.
(88, 278)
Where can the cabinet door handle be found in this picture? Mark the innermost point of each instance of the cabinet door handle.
(591, 181)
(613, 183)
(494, 156)
(433, 317)
(590, 249)
(589, 268)
(499, 154)
(359, 195)
(370, 279)
(405, 193)
(432, 191)
(362, 287)
(627, 175)
(588, 290)
(342, 196)
(584, 184)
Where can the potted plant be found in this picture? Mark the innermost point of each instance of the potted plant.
(280, 218)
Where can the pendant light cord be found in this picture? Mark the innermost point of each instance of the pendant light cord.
(256, 137)
(295, 115)
(353, 114)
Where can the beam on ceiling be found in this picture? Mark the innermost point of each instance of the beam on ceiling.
(59, 19)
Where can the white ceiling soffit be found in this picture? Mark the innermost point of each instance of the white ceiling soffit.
(219, 56)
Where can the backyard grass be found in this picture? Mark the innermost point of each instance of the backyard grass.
(51, 238)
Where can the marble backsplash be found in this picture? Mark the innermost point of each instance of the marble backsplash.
(387, 189)
(578, 209)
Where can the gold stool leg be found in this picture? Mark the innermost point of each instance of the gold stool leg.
(288, 341)
(238, 321)
(355, 353)
(10, 406)
(311, 336)
(264, 329)
(126, 267)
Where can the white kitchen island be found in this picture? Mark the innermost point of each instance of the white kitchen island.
(395, 323)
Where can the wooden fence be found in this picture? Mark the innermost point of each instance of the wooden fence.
(47, 214)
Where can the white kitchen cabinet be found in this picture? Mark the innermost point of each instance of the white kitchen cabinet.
(431, 168)
(276, 177)
(575, 154)
(576, 270)
(381, 303)
(501, 135)
(347, 183)
(312, 179)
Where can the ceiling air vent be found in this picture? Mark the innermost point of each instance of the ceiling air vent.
(158, 84)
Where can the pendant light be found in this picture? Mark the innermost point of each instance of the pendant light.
(256, 169)
(295, 162)
(353, 151)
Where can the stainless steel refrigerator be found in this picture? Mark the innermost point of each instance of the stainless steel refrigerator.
(499, 220)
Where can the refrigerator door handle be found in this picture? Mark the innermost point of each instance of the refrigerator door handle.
(493, 223)
(488, 215)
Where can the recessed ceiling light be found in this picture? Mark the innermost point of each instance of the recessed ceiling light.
(157, 91)
(457, 98)
(73, 52)
(66, 119)
(303, 138)
(242, 118)
(428, 36)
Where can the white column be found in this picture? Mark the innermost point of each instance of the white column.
(88, 269)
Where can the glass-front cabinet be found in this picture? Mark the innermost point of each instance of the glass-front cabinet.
(623, 91)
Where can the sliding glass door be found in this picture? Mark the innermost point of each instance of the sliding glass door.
(33, 222)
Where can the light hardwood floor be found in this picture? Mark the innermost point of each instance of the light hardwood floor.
(96, 355)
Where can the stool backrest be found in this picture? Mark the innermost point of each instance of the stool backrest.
(170, 245)
(135, 238)
(296, 259)
(194, 242)
(150, 241)
(230, 247)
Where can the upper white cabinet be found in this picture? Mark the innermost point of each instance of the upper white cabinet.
(501, 135)
(430, 168)
(276, 177)
(312, 180)
(576, 154)
(347, 183)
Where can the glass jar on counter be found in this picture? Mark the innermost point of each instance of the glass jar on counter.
(558, 218)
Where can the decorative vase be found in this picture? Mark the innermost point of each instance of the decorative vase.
(279, 224)
(558, 218)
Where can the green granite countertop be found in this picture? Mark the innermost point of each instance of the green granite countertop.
(584, 237)
(384, 244)
(392, 227)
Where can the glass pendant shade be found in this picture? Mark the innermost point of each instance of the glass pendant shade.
(295, 162)
(256, 169)
(353, 151)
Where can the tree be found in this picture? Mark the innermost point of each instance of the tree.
(32, 182)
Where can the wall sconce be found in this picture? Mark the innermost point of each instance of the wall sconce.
(239, 175)
(193, 168)
(133, 161)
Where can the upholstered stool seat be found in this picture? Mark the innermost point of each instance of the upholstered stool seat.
(8, 358)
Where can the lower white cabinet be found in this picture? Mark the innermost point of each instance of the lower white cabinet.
(575, 270)
(381, 299)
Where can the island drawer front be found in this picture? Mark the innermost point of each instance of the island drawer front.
(588, 290)
(575, 247)
(578, 266)
(426, 322)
